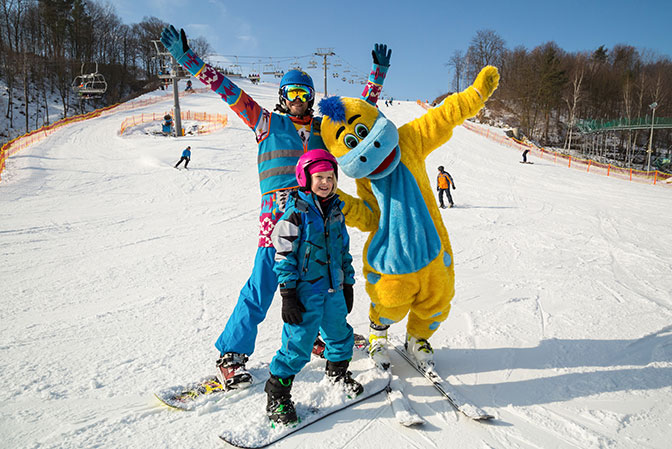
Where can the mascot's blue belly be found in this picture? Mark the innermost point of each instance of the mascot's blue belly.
(406, 240)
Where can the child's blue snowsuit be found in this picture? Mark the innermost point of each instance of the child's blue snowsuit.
(313, 256)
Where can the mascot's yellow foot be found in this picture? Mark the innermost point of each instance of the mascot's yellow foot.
(421, 351)
(378, 348)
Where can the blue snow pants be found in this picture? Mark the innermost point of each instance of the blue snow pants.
(325, 312)
(255, 298)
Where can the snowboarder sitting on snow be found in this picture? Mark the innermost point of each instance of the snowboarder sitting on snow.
(282, 138)
(443, 183)
(186, 157)
(315, 273)
(167, 126)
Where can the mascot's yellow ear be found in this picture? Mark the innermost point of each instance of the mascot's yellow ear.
(487, 81)
(340, 116)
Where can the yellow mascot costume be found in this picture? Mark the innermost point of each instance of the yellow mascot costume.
(408, 261)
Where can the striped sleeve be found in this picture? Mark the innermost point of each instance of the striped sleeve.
(285, 239)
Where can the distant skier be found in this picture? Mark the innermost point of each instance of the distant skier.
(443, 183)
(316, 291)
(188, 88)
(186, 157)
(527, 150)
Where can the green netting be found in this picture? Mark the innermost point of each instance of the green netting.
(591, 126)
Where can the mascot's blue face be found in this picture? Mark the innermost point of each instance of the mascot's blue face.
(365, 143)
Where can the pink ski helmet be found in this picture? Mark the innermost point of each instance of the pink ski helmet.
(314, 161)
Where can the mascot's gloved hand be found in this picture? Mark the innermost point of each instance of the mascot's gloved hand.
(175, 43)
(381, 55)
(292, 309)
(349, 296)
(487, 81)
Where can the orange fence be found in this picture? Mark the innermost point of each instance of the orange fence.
(17, 144)
(654, 177)
(214, 121)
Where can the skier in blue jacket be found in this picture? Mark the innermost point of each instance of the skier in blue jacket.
(282, 138)
(186, 157)
(315, 273)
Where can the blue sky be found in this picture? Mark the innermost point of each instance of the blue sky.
(422, 34)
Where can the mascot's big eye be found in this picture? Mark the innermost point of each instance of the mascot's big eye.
(361, 130)
(350, 141)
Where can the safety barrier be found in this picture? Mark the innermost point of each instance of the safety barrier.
(214, 121)
(17, 144)
(656, 177)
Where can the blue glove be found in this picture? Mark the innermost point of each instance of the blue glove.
(175, 43)
(381, 55)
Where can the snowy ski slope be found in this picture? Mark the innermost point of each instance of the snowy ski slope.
(117, 273)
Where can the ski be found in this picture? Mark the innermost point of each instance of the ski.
(403, 411)
(449, 392)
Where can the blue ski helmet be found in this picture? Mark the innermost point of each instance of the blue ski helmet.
(297, 77)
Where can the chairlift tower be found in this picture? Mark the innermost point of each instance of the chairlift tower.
(325, 53)
(175, 75)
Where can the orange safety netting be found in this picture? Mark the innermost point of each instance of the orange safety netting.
(17, 144)
(214, 121)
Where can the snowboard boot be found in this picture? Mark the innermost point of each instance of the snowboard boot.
(232, 372)
(421, 351)
(279, 406)
(378, 345)
(319, 347)
(337, 373)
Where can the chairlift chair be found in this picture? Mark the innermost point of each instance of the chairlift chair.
(89, 85)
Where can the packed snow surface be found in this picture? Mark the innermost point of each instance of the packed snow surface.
(118, 272)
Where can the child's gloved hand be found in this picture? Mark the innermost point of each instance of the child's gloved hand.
(292, 309)
(349, 296)
(487, 81)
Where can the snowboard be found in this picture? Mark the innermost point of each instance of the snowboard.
(314, 396)
(193, 394)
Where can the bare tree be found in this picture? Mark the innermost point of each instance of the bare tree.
(574, 96)
(458, 63)
(485, 48)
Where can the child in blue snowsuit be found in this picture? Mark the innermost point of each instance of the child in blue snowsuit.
(315, 273)
(282, 138)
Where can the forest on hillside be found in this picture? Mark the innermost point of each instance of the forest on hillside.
(46, 44)
(549, 93)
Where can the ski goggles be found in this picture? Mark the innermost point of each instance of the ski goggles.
(292, 92)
